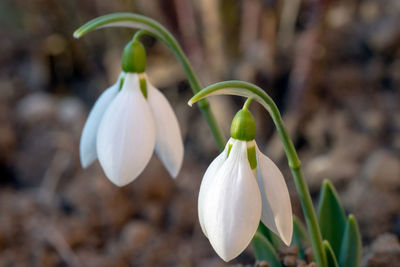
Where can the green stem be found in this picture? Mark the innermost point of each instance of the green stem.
(155, 29)
(252, 91)
(140, 33)
(247, 103)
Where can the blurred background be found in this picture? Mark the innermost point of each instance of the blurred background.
(332, 66)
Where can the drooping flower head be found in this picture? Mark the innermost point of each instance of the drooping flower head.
(128, 121)
(241, 187)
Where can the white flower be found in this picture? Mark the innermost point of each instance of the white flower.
(124, 128)
(233, 198)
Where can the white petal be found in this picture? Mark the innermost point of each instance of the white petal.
(208, 180)
(276, 206)
(126, 136)
(232, 205)
(87, 148)
(169, 145)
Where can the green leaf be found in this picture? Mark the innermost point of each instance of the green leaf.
(300, 237)
(330, 255)
(271, 236)
(350, 253)
(331, 216)
(264, 251)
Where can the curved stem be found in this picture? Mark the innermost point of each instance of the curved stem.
(247, 103)
(252, 91)
(155, 29)
(140, 33)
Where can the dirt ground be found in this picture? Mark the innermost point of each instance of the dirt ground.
(333, 67)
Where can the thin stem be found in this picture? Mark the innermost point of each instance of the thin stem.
(252, 91)
(155, 29)
(247, 103)
(139, 33)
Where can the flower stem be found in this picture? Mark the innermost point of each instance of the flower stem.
(252, 91)
(155, 29)
(247, 103)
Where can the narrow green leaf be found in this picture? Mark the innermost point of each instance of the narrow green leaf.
(330, 255)
(350, 253)
(271, 236)
(331, 216)
(264, 251)
(300, 237)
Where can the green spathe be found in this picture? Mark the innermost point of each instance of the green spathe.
(134, 57)
(243, 126)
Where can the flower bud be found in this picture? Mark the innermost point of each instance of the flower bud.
(134, 57)
(243, 126)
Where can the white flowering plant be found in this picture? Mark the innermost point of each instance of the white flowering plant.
(243, 196)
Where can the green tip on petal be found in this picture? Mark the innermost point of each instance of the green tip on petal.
(134, 57)
(243, 126)
(143, 85)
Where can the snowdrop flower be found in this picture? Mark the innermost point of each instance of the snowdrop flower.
(127, 123)
(240, 187)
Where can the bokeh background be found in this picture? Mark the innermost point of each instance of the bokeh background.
(332, 66)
